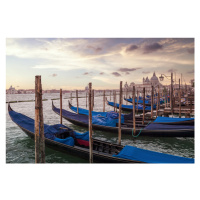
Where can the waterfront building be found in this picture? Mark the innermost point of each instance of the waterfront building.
(146, 83)
(11, 90)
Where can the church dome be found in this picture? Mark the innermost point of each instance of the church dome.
(154, 77)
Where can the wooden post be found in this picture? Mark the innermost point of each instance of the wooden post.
(158, 97)
(39, 124)
(90, 123)
(119, 120)
(179, 100)
(114, 97)
(167, 98)
(157, 106)
(171, 94)
(42, 138)
(37, 147)
(152, 102)
(77, 101)
(126, 94)
(60, 106)
(143, 105)
(137, 100)
(86, 99)
(190, 105)
(104, 101)
(133, 96)
(92, 100)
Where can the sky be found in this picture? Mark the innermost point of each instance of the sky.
(71, 63)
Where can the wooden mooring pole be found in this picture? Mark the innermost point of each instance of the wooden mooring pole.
(60, 106)
(86, 99)
(179, 100)
(158, 97)
(143, 105)
(167, 98)
(171, 94)
(152, 97)
(77, 101)
(137, 100)
(126, 94)
(90, 124)
(114, 97)
(158, 101)
(104, 101)
(119, 120)
(92, 100)
(42, 138)
(39, 124)
(133, 101)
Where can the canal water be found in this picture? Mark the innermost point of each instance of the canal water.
(20, 148)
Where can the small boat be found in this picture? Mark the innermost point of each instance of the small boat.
(128, 118)
(130, 107)
(140, 101)
(64, 139)
(107, 124)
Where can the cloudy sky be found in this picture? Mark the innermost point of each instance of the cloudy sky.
(73, 63)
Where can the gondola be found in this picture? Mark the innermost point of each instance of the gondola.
(128, 118)
(140, 101)
(152, 129)
(129, 108)
(64, 139)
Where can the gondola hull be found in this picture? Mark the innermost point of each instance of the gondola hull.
(127, 108)
(81, 152)
(126, 130)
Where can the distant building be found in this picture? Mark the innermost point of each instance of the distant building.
(146, 83)
(11, 90)
(21, 91)
(30, 91)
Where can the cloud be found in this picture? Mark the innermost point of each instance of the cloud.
(172, 70)
(190, 50)
(145, 72)
(127, 73)
(96, 49)
(116, 74)
(86, 73)
(131, 48)
(128, 69)
(101, 73)
(152, 47)
(54, 75)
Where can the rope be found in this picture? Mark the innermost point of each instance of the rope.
(140, 130)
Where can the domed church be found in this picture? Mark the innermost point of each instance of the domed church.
(147, 83)
(154, 80)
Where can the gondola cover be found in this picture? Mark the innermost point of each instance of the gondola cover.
(134, 153)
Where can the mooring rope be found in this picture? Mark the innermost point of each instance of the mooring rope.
(140, 130)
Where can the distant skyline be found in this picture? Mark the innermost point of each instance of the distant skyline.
(72, 63)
